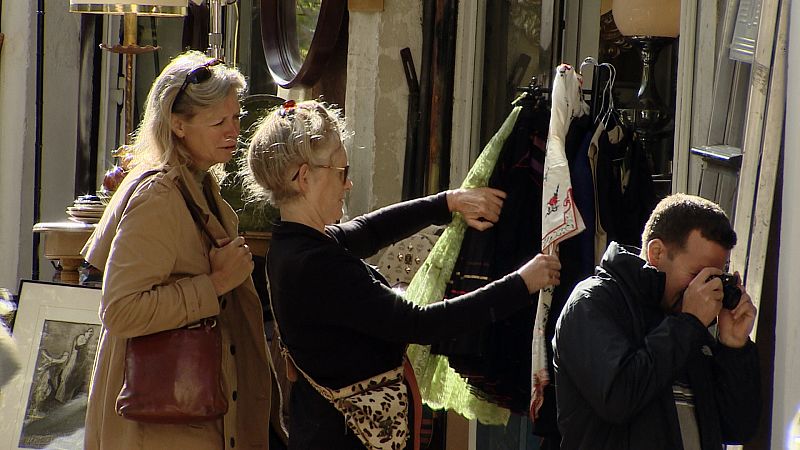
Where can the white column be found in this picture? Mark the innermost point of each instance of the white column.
(18, 125)
(59, 115)
(467, 89)
(17, 121)
(786, 395)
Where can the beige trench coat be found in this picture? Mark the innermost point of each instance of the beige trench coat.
(156, 263)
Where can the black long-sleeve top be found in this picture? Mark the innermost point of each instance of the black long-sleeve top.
(337, 315)
(341, 321)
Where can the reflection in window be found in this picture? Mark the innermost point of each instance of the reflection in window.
(512, 55)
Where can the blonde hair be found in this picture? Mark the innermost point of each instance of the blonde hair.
(154, 142)
(288, 137)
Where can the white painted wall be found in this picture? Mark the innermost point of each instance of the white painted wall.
(786, 397)
(377, 101)
(17, 129)
(60, 121)
(17, 118)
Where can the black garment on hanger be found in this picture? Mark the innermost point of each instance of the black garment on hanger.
(624, 206)
(496, 360)
(196, 27)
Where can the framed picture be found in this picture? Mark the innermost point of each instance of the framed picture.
(56, 329)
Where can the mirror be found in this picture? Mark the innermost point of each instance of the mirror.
(299, 37)
(306, 17)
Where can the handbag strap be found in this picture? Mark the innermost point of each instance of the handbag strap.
(197, 216)
(325, 392)
(196, 212)
(136, 184)
(332, 395)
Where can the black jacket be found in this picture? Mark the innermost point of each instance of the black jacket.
(616, 355)
(342, 323)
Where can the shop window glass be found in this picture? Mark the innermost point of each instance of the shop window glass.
(513, 53)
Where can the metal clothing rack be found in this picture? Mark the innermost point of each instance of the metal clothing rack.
(534, 92)
(534, 88)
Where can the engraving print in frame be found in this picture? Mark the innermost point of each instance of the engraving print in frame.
(57, 330)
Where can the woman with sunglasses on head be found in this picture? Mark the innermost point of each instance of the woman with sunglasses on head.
(165, 269)
(338, 319)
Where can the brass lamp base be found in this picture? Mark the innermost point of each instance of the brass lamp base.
(650, 115)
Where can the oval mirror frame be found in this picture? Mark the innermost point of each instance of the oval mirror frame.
(281, 49)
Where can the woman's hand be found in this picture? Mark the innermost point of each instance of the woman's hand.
(230, 265)
(479, 206)
(543, 270)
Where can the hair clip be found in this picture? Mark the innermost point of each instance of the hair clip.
(287, 107)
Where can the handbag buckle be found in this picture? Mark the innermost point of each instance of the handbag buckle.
(209, 322)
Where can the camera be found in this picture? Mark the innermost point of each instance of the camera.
(731, 293)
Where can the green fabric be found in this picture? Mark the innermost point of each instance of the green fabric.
(440, 385)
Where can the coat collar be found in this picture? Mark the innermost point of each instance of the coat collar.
(284, 229)
(636, 276)
(225, 226)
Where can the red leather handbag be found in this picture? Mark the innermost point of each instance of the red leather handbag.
(174, 376)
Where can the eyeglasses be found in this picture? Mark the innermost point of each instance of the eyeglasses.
(197, 76)
(345, 171)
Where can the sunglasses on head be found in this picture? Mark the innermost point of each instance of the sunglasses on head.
(196, 76)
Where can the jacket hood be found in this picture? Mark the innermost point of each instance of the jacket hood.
(634, 274)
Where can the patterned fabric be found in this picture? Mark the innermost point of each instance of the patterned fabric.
(440, 385)
(560, 216)
(376, 409)
(401, 261)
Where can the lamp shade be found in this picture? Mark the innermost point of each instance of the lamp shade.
(648, 17)
(138, 7)
(605, 6)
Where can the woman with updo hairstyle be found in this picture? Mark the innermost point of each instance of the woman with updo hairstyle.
(338, 319)
(306, 132)
(162, 271)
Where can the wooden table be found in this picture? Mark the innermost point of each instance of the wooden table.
(63, 242)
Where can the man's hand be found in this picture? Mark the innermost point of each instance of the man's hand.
(480, 206)
(735, 325)
(703, 297)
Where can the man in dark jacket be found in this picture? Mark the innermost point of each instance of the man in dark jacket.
(635, 364)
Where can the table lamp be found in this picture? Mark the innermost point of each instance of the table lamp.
(130, 9)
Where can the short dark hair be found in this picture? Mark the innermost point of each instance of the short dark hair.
(676, 216)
